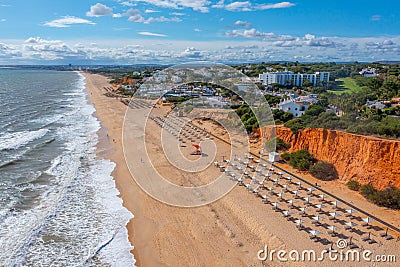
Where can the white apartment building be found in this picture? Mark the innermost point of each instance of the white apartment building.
(368, 72)
(295, 79)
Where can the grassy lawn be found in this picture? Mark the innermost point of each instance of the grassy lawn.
(347, 85)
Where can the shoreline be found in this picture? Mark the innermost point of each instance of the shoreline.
(239, 223)
(109, 147)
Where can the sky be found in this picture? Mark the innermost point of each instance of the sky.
(173, 31)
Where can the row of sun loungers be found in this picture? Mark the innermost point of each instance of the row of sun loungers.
(291, 198)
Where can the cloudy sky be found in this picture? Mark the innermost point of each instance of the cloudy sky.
(172, 31)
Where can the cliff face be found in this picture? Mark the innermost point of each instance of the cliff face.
(362, 158)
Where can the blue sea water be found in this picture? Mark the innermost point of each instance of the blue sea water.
(58, 202)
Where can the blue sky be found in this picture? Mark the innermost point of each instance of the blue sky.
(171, 31)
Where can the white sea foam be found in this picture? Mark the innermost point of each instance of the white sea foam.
(18, 139)
(80, 219)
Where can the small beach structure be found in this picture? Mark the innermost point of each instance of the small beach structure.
(273, 157)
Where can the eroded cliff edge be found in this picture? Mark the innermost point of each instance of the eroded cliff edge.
(362, 158)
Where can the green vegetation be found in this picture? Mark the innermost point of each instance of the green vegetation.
(366, 121)
(247, 117)
(304, 161)
(295, 125)
(272, 100)
(346, 85)
(281, 145)
(301, 159)
(389, 197)
(324, 171)
(281, 116)
(353, 185)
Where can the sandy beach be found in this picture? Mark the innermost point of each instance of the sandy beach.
(228, 232)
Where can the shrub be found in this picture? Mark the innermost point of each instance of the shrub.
(295, 125)
(285, 156)
(301, 159)
(390, 197)
(353, 185)
(281, 145)
(324, 171)
(368, 191)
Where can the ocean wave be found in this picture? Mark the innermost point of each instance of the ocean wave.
(78, 219)
(11, 141)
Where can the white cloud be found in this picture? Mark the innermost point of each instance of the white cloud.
(192, 53)
(284, 40)
(41, 49)
(127, 3)
(243, 23)
(383, 46)
(376, 18)
(248, 6)
(197, 5)
(65, 22)
(162, 19)
(238, 6)
(152, 34)
(99, 10)
(274, 6)
(3, 20)
(307, 48)
(178, 14)
(197, 30)
(252, 33)
(135, 16)
(151, 11)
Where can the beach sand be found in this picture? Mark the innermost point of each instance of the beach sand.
(228, 232)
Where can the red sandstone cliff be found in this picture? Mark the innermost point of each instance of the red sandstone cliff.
(362, 158)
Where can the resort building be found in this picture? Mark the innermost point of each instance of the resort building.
(295, 79)
(297, 106)
(368, 72)
(375, 104)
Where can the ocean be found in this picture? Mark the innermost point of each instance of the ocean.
(58, 202)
